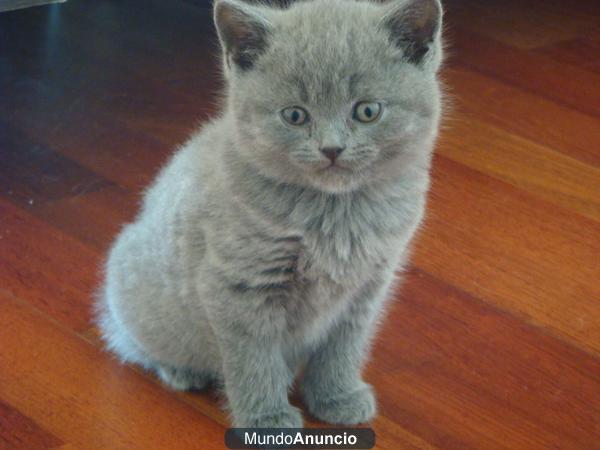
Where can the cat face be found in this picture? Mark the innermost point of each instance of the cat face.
(333, 94)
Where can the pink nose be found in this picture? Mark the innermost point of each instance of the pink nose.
(332, 152)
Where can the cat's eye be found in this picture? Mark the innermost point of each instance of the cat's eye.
(296, 116)
(367, 112)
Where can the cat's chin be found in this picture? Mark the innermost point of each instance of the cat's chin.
(336, 183)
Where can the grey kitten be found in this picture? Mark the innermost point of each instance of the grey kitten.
(270, 240)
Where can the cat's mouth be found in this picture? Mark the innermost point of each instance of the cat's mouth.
(334, 168)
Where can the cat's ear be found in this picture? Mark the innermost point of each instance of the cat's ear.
(414, 26)
(242, 30)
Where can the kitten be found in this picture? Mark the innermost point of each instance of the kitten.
(270, 240)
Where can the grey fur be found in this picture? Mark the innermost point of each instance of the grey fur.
(248, 258)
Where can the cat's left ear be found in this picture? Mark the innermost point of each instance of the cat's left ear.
(414, 26)
(243, 31)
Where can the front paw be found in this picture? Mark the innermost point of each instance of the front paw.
(289, 417)
(352, 407)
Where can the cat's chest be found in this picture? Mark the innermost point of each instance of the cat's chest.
(340, 258)
(330, 272)
(325, 246)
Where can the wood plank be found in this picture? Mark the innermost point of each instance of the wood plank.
(32, 174)
(471, 376)
(537, 169)
(520, 112)
(185, 27)
(95, 110)
(72, 119)
(92, 28)
(19, 432)
(565, 84)
(95, 218)
(87, 67)
(391, 436)
(583, 52)
(88, 136)
(85, 397)
(52, 271)
(504, 246)
(525, 25)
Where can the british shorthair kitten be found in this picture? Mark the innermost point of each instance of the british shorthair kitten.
(270, 241)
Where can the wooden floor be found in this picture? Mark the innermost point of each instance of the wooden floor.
(494, 341)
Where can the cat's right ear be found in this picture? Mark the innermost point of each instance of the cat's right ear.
(243, 32)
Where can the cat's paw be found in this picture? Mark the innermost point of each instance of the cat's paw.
(183, 379)
(290, 417)
(349, 408)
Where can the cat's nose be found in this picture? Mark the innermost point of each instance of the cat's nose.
(332, 152)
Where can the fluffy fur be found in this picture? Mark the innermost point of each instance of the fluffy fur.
(252, 256)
